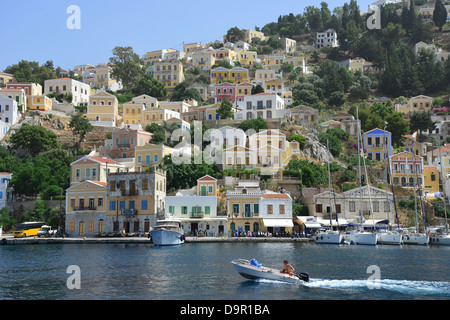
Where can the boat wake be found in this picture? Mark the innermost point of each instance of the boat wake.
(402, 286)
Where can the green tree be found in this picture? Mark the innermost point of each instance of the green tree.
(398, 127)
(225, 110)
(34, 139)
(299, 138)
(234, 34)
(126, 66)
(421, 121)
(80, 126)
(256, 124)
(31, 71)
(149, 86)
(439, 14)
(337, 99)
(181, 93)
(257, 89)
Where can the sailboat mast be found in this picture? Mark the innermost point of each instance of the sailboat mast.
(359, 164)
(443, 178)
(420, 195)
(415, 193)
(329, 186)
(386, 166)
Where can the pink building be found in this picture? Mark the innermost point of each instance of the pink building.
(225, 90)
(124, 142)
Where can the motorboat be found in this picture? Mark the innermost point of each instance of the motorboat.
(253, 270)
(329, 237)
(167, 232)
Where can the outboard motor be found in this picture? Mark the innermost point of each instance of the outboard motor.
(304, 276)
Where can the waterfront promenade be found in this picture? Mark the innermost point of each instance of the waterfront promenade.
(9, 239)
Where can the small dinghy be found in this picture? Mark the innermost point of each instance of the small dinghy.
(254, 270)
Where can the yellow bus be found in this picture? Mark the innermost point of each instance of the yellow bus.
(27, 229)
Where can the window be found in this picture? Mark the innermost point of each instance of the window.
(352, 206)
(112, 205)
(207, 209)
(144, 205)
(270, 209)
(156, 158)
(256, 208)
(171, 210)
(77, 173)
(100, 202)
(145, 184)
(235, 207)
(282, 209)
(184, 210)
(210, 189)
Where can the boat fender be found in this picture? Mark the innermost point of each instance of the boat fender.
(4, 242)
(304, 276)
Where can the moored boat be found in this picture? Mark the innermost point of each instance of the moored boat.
(254, 270)
(167, 232)
(442, 239)
(329, 237)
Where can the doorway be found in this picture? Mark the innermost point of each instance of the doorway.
(194, 228)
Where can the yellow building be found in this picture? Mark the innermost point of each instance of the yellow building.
(41, 103)
(169, 72)
(157, 115)
(134, 200)
(247, 58)
(150, 155)
(225, 53)
(86, 208)
(263, 75)
(288, 45)
(204, 59)
(103, 108)
(93, 168)
(296, 61)
(431, 180)
(273, 62)
(403, 171)
(250, 34)
(5, 78)
(419, 103)
(236, 75)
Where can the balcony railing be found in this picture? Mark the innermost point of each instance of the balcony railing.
(84, 208)
(129, 211)
(197, 214)
(123, 145)
(131, 192)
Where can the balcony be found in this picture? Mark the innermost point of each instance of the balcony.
(123, 145)
(128, 212)
(197, 214)
(131, 192)
(90, 208)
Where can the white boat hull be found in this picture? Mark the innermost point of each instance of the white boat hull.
(162, 237)
(443, 240)
(329, 238)
(249, 271)
(389, 238)
(420, 239)
(362, 238)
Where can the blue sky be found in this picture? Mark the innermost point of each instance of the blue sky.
(37, 31)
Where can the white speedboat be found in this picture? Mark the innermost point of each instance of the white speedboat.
(252, 271)
(360, 237)
(416, 238)
(167, 232)
(389, 237)
(329, 237)
(442, 239)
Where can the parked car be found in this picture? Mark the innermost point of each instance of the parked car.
(46, 231)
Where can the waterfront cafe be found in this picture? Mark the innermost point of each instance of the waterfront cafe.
(310, 224)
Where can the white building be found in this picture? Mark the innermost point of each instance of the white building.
(80, 91)
(9, 114)
(261, 105)
(327, 38)
(4, 192)
(196, 208)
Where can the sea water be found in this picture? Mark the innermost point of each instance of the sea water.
(203, 271)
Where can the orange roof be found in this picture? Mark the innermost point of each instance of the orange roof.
(105, 160)
(102, 183)
(275, 196)
(204, 178)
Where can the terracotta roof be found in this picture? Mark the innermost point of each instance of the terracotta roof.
(5, 173)
(105, 160)
(275, 196)
(204, 178)
(102, 183)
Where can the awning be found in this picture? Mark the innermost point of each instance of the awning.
(278, 223)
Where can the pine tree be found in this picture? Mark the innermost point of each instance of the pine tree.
(439, 14)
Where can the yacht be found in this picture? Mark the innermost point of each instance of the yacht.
(167, 232)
